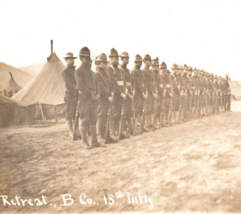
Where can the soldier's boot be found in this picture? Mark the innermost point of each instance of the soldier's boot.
(113, 138)
(70, 127)
(101, 129)
(130, 122)
(169, 119)
(78, 135)
(147, 123)
(84, 132)
(94, 141)
(125, 133)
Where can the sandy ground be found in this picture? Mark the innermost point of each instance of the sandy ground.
(192, 167)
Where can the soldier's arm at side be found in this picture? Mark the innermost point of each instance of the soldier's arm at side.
(102, 91)
(67, 81)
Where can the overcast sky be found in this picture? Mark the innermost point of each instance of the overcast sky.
(200, 33)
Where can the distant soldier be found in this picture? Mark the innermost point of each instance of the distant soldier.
(168, 93)
(117, 81)
(71, 92)
(159, 87)
(195, 83)
(127, 129)
(168, 98)
(140, 94)
(88, 95)
(106, 94)
(228, 93)
(175, 83)
(190, 94)
(184, 86)
(152, 93)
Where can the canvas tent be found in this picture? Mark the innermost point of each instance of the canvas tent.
(11, 85)
(12, 112)
(235, 90)
(46, 89)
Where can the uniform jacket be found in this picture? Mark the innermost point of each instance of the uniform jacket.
(69, 79)
(138, 81)
(86, 81)
(103, 82)
(174, 84)
(127, 78)
(117, 78)
(149, 80)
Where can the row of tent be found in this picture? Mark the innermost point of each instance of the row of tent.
(43, 96)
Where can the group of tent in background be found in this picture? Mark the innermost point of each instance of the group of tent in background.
(43, 97)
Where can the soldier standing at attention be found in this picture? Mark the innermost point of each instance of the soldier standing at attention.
(168, 98)
(196, 93)
(71, 92)
(228, 93)
(88, 95)
(140, 94)
(106, 94)
(159, 100)
(163, 69)
(127, 128)
(184, 89)
(117, 81)
(174, 80)
(150, 83)
(190, 93)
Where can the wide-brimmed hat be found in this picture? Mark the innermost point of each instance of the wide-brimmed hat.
(101, 58)
(163, 65)
(155, 61)
(69, 55)
(113, 53)
(174, 66)
(84, 52)
(138, 58)
(147, 57)
(124, 54)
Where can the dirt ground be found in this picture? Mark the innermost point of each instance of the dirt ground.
(192, 167)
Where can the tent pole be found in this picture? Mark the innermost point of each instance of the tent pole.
(51, 41)
(55, 114)
(42, 113)
(17, 117)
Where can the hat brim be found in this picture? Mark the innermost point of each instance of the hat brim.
(70, 57)
(114, 56)
(84, 55)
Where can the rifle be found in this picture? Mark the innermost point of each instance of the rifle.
(143, 118)
(134, 118)
(76, 119)
(109, 114)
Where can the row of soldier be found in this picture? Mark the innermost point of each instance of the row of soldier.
(116, 102)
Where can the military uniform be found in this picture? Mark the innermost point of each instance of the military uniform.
(149, 82)
(175, 83)
(70, 97)
(117, 81)
(139, 87)
(128, 111)
(183, 81)
(104, 85)
(88, 91)
(190, 91)
(71, 93)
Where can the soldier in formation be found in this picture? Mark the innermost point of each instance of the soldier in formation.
(117, 102)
